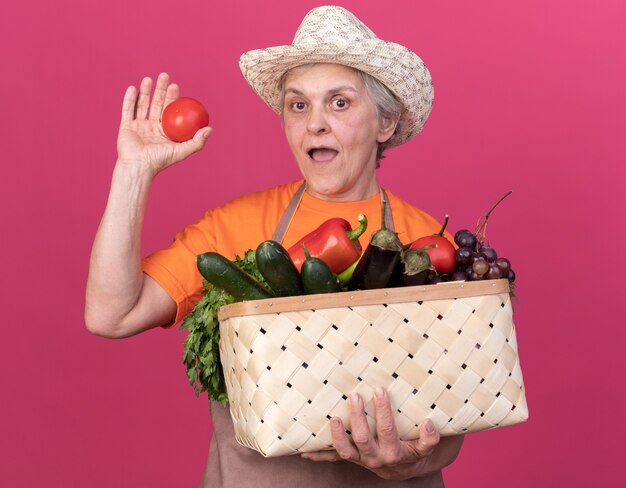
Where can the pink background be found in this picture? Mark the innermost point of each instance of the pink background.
(529, 97)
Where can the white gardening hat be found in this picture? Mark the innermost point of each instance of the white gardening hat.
(334, 35)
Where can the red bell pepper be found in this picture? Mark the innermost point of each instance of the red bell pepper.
(334, 242)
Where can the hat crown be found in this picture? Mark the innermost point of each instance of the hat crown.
(332, 34)
(331, 25)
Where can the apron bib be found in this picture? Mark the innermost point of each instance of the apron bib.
(291, 209)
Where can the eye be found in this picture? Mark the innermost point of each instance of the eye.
(298, 106)
(340, 103)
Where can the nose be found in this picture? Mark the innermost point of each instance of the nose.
(318, 121)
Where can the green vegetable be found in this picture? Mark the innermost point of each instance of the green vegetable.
(346, 275)
(277, 268)
(202, 355)
(317, 276)
(221, 272)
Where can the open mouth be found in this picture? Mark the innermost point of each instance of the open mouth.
(322, 154)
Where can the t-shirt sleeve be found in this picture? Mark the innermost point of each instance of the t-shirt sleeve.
(230, 229)
(174, 268)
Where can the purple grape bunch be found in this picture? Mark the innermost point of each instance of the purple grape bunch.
(475, 258)
(475, 261)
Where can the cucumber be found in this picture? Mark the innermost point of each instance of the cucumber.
(224, 274)
(278, 270)
(317, 277)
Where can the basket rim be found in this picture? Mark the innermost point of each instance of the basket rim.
(440, 291)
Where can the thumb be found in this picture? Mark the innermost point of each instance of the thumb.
(194, 145)
(201, 136)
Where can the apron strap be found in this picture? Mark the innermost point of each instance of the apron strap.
(288, 214)
(290, 211)
(388, 214)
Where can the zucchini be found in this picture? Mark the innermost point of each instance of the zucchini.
(278, 270)
(317, 277)
(224, 274)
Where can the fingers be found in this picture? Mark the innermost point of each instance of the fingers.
(328, 456)
(128, 105)
(387, 433)
(140, 106)
(361, 433)
(382, 451)
(428, 439)
(143, 102)
(385, 421)
(158, 99)
(341, 442)
(172, 93)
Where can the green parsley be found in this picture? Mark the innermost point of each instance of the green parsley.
(202, 354)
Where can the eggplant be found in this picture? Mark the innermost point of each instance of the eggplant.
(412, 270)
(379, 260)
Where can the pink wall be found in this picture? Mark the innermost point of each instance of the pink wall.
(529, 97)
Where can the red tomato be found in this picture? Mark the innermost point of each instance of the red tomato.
(442, 256)
(182, 118)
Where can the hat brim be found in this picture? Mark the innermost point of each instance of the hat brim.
(400, 69)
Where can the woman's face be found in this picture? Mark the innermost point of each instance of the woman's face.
(333, 131)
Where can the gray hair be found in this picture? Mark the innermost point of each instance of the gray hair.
(387, 104)
(387, 107)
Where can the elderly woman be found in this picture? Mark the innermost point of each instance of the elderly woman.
(344, 96)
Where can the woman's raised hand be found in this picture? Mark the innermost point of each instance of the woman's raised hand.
(141, 140)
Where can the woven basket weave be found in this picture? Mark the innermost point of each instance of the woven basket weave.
(447, 352)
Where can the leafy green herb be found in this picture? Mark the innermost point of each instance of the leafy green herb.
(202, 354)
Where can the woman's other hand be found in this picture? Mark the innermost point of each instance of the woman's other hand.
(383, 452)
(141, 140)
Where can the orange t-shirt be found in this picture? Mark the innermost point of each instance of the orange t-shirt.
(245, 222)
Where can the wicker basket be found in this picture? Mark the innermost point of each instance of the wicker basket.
(447, 352)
